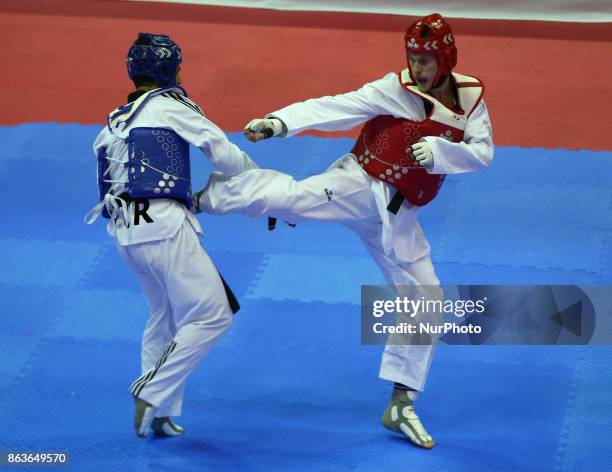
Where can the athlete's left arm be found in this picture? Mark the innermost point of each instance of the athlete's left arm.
(191, 124)
(473, 153)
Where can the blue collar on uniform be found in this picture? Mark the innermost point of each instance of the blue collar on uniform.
(127, 112)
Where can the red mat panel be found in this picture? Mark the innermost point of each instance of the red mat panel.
(546, 82)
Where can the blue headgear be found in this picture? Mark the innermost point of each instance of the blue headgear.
(156, 57)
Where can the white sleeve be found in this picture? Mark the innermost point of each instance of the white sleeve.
(196, 129)
(473, 153)
(99, 142)
(339, 112)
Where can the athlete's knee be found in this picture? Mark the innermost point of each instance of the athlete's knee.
(226, 318)
(219, 315)
(211, 324)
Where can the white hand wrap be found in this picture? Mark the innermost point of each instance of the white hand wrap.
(267, 126)
(423, 154)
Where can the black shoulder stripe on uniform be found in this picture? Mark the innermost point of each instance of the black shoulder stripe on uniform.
(189, 103)
(177, 97)
(181, 99)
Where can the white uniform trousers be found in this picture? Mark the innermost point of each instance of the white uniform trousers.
(342, 194)
(189, 311)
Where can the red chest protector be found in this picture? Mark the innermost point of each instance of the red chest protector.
(383, 147)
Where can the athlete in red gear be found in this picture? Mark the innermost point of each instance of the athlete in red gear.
(420, 125)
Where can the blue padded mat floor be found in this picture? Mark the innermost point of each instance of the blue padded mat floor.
(290, 387)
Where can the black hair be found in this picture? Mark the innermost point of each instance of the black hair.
(142, 81)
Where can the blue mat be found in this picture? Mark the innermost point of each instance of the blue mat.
(290, 387)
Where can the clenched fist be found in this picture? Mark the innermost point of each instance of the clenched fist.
(263, 128)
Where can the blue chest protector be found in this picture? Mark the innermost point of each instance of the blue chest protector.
(158, 165)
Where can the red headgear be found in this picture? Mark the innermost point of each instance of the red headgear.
(432, 34)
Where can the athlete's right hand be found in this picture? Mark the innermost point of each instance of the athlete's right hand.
(265, 128)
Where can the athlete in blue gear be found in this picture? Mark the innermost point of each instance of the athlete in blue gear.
(145, 190)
